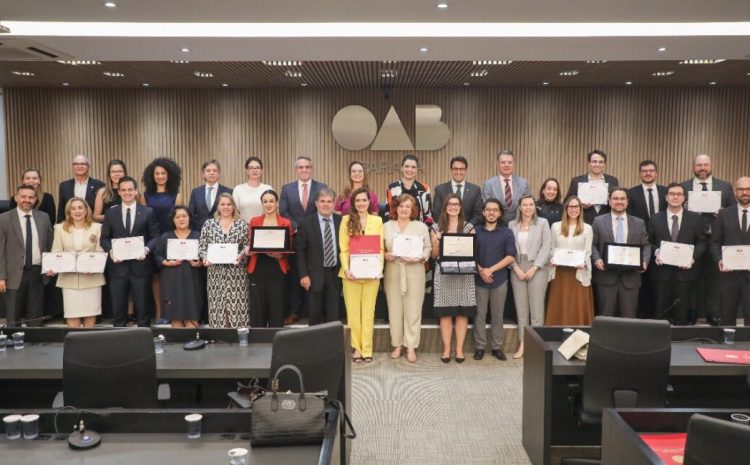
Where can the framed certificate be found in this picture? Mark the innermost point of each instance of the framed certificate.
(704, 201)
(676, 254)
(58, 262)
(736, 257)
(457, 253)
(594, 193)
(222, 254)
(128, 248)
(182, 249)
(623, 256)
(91, 262)
(270, 239)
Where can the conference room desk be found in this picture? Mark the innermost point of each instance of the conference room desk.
(547, 414)
(159, 437)
(621, 443)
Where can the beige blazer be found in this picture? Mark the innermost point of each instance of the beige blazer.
(65, 242)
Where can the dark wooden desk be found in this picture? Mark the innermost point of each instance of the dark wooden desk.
(548, 421)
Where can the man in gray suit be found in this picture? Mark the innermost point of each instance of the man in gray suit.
(25, 234)
(616, 289)
(470, 194)
(505, 186)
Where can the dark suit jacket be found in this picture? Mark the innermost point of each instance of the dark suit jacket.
(471, 200)
(199, 213)
(144, 224)
(289, 203)
(727, 198)
(727, 231)
(67, 192)
(590, 213)
(638, 203)
(692, 231)
(602, 234)
(309, 248)
(12, 246)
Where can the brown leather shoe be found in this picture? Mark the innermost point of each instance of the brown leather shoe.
(291, 319)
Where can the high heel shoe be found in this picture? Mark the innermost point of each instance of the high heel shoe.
(460, 359)
(445, 359)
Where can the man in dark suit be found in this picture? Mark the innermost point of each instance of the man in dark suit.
(296, 202)
(25, 234)
(705, 301)
(470, 194)
(732, 227)
(617, 290)
(317, 257)
(82, 185)
(202, 205)
(671, 283)
(130, 277)
(597, 164)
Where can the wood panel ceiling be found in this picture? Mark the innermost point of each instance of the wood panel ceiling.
(369, 74)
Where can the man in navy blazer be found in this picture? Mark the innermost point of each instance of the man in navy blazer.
(304, 188)
(82, 185)
(597, 160)
(732, 227)
(506, 187)
(130, 277)
(470, 194)
(204, 199)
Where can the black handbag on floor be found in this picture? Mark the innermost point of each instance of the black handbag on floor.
(287, 419)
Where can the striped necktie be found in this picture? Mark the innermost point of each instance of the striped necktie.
(329, 259)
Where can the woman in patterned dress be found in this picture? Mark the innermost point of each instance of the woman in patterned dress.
(408, 184)
(227, 284)
(454, 294)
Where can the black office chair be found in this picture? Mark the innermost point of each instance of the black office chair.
(117, 368)
(319, 353)
(627, 366)
(712, 441)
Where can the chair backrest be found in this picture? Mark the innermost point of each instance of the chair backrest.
(627, 365)
(103, 369)
(319, 353)
(713, 441)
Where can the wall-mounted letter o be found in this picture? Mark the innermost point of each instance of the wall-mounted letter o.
(354, 127)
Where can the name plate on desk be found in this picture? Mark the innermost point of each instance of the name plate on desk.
(736, 257)
(623, 256)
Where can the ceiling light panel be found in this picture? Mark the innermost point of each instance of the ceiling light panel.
(22, 73)
(112, 74)
(662, 73)
(292, 74)
(491, 62)
(203, 74)
(388, 73)
(703, 62)
(282, 63)
(571, 72)
(480, 73)
(80, 62)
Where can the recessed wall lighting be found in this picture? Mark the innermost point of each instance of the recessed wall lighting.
(572, 72)
(185, 50)
(224, 84)
(662, 73)
(466, 84)
(712, 83)
(110, 4)
(22, 73)
(661, 49)
(112, 74)
(423, 49)
(203, 74)
(282, 63)
(595, 62)
(145, 84)
(442, 6)
(388, 73)
(628, 83)
(712, 61)
(545, 83)
(292, 74)
(480, 73)
(65, 84)
(304, 84)
(79, 62)
(491, 62)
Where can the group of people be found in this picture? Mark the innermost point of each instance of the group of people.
(515, 238)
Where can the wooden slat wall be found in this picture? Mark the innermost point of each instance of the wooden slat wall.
(550, 130)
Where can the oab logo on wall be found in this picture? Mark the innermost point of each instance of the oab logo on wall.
(354, 128)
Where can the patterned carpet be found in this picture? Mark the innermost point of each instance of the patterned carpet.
(431, 413)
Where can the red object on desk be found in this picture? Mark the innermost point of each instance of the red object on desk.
(735, 357)
(669, 447)
(364, 245)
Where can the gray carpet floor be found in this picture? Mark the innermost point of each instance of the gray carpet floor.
(431, 413)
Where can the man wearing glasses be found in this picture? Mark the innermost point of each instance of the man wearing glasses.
(470, 194)
(597, 160)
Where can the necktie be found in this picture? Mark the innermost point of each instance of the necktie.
(744, 220)
(675, 228)
(29, 239)
(508, 193)
(329, 259)
(651, 208)
(127, 220)
(209, 204)
(458, 191)
(305, 197)
(705, 186)
(619, 233)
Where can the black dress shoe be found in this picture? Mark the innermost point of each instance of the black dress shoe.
(445, 359)
(460, 359)
(498, 354)
(479, 354)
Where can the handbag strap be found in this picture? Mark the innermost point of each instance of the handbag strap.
(275, 387)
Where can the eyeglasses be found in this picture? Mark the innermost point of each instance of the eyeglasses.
(458, 169)
(742, 189)
(492, 210)
(254, 168)
(80, 164)
(574, 207)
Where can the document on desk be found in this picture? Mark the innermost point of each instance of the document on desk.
(736, 257)
(704, 201)
(594, 193)
(408, 246)
(222, 254)
(182, 249)
(569, 257)
(128, 248)
(573, 344)
(669, 447)
(91, 262)
(733, 357)
(58, 262)
(676, 254)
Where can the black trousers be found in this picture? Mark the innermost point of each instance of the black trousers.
(323, 306)
(666, 294)
(297, 298)
(139, 287)
(735, 292)
(267, 294)
(706, 300)
(26, 302)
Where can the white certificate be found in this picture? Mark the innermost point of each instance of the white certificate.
(222, 254)
(736, 257)
(365, 266)
(408, 246)
(704, 201)
(623, 255)
(58, 262)
(269, 239)
(676, 254)
(91, 262)
(128, 248)
(569, 257)
(594, 193)
(457, 246)
(182, 249)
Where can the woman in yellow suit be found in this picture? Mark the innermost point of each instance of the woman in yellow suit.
(360, 294)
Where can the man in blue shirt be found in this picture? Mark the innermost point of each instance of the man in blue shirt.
(496, 251)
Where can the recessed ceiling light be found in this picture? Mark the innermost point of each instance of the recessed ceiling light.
(224, 84)
(389, 62)
(79, 62)
(66, 84)
(703, 62)
(596, 62)
(304, 84)
(388, 73)
(628, 83)
(661, 49)
(112, 74)
(282, 63)
(185, 50)
(491, 62)
(662, 73)
(545, 83)
(292, 74)
(145, 84)
(712, 83)
(442, 6)
(22, 73)
(466, 84)
(179, 62)
(480, 73)
(423, 49)
(203, 74)
(572, 72)
(110, 4)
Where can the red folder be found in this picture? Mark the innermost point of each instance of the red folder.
(364, 245)
(668, 447)
(735, 357)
